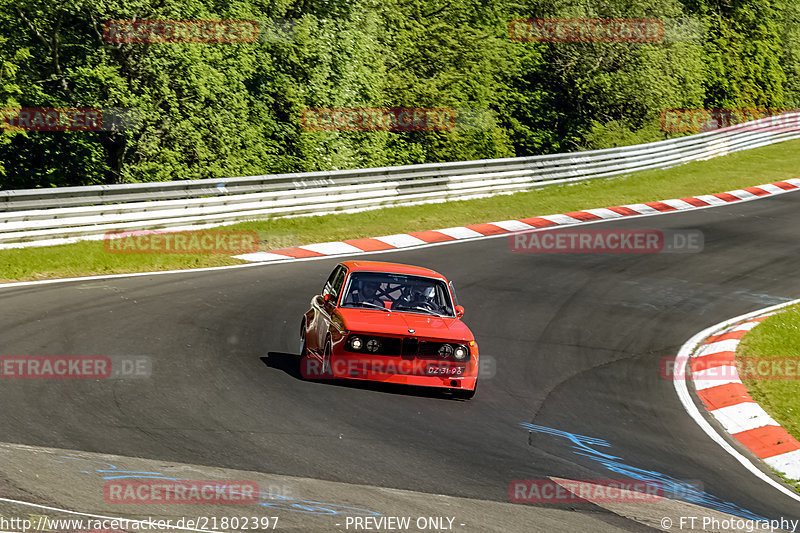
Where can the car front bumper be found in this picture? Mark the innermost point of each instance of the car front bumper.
(396, 369)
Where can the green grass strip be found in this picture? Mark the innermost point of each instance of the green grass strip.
(742, 169)
(776, 337)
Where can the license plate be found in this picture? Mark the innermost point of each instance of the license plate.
(433, 370)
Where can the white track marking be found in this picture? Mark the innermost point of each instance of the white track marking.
(513, 225)
(680, 361)
(460, 232)
(316, 258)
(742, 194)
(728, 345)
(561, 219)
(678, 204)
(770, 188)
(747, 326)
(400, 240)
(643, 209)
(683, 395)
(604, 212)
(716, 376)
(332, 248)
(103, 517)
(788, 463)
(260, 256)
(713, 200)
(742, 417)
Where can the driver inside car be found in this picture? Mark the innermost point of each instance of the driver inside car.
(369, 293)
(420, 297)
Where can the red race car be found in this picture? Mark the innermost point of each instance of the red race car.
(390, 323)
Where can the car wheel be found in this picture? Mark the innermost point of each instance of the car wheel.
(465, 394)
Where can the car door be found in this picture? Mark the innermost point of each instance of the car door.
(324, 308)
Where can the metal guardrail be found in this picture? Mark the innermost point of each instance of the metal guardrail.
(38, 217)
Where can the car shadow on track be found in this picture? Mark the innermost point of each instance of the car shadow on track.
(290, 363)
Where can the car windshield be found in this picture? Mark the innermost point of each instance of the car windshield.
(398, 292)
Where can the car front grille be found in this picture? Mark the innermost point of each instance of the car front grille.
(410, 347)
(405, 347)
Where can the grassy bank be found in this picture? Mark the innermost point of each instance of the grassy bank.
(776, 337)
(742, 169)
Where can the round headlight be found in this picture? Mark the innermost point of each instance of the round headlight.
(373, 345)
(356, 343)
(460, 353)
(445, 350)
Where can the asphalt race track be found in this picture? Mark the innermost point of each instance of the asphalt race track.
(577, 340)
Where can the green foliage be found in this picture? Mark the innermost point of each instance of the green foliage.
(219, 110)
(619, 84)
(9, 89)
(790, 54)
(743, 52)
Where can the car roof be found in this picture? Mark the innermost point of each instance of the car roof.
(394, 268)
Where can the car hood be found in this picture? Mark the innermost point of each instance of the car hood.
(379, 322)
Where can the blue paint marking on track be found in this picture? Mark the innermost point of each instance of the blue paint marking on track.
(118, 474)
(273, 501)
(669, 486)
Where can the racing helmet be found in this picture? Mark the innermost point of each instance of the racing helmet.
(366, 284)
(424, 293)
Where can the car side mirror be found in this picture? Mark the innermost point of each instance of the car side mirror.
(459, 311)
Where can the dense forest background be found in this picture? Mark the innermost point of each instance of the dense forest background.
(223, 110)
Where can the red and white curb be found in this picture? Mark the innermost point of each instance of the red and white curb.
(492, 229)
(729, 403)
(719, 339)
